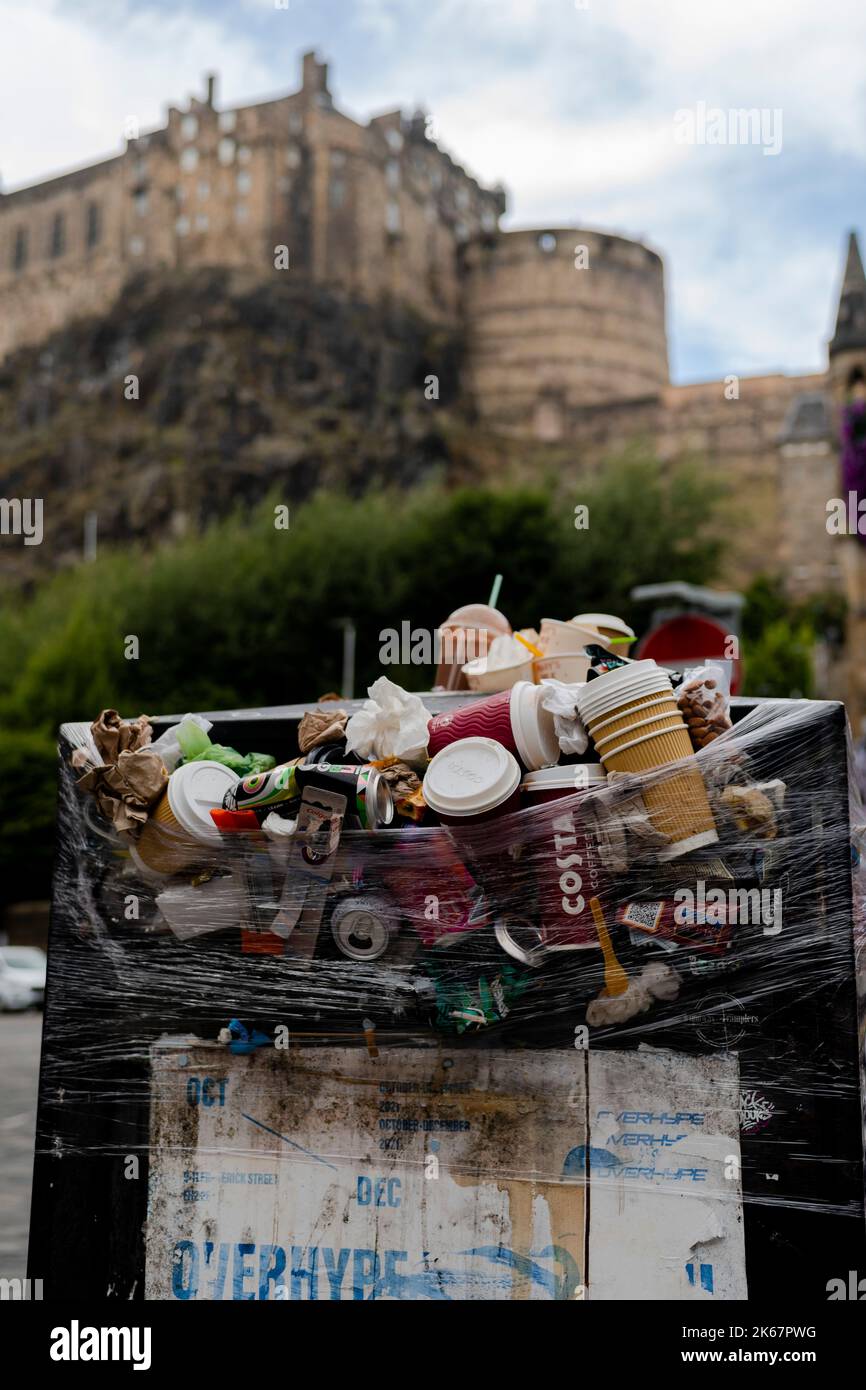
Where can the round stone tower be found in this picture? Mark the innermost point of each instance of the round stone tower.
(561, 318)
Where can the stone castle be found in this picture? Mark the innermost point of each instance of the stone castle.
(563, 328)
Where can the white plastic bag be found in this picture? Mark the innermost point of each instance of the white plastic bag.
(168, 745)
(391, 724)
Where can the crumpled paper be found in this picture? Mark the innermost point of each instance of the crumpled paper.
(560, 700)
(319, 727)
(113, 735)
(506, 651)
(124, 791)
(390, 724)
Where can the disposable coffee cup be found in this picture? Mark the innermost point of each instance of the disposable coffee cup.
(473, 786)
(636, 726)
(472, 781)
(553, 783)
(569, 667)
(558, 637)
(180, 826)
(514, 718)
(560, 865)
(612, 630)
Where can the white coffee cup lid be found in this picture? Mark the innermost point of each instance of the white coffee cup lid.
(194, 790)
(470, 777)
(573, 777)
(606, 620)
(618, 687)
(533, 726)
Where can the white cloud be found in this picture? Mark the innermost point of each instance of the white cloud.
(571, 108)
(67, 87)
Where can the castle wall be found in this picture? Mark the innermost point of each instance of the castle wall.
(546, 337)
(378, 210)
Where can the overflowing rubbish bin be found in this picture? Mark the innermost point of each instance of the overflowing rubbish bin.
(541, 989)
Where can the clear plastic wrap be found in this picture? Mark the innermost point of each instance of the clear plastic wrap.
(628, 1030)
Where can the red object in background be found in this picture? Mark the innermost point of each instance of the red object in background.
(687, 641)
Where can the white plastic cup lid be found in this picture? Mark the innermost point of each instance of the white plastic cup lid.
(194, 790)
(573, 777)
(619, 687)
(470, 777)
(604, 620)
(533, 727)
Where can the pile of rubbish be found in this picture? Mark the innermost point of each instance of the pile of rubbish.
(572, 817)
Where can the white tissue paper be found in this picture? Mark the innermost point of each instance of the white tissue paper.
(505, 651)
(560, 700)
(390, 724)
(656, 981)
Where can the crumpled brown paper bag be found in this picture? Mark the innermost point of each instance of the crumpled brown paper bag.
(320, 727)
(126, 790)
(113, 735)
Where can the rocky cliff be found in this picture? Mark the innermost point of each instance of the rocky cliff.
(200, 391)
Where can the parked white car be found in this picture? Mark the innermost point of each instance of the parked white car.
(22, 977)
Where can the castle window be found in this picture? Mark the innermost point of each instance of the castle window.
(461, 198)
(189, 159)
(136, 246)
(19, 253)
(181, 226)
(245, 154)
(395, 139)
(337, 192)
(201, 222)
(293, 157)
(242, 212)
(189, 127)
(392, 218)
(226, 151)
(547, 243)
(57, 243)
(338, 159)
(243, 182)
(392, 174)
(139, 202)
(203, 191)
(93, 225)
(228, 120)
(296, 123)
(488, 220)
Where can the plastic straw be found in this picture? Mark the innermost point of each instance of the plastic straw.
(494, 592)
(536, 651)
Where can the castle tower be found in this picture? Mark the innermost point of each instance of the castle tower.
(847, 384)
(559, 319)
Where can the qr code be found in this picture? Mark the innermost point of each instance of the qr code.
(643, 916)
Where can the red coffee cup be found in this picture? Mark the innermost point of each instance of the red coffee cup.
(560, 862)
(513, 718)
(471, 785)
(434, 889)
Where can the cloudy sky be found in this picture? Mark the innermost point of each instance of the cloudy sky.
(571, 103)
